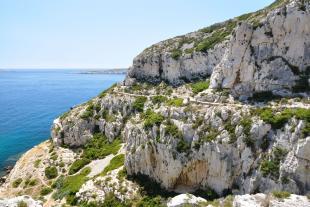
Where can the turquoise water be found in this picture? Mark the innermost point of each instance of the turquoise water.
(31, 99)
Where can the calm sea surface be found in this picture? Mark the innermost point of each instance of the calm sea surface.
(31, 99)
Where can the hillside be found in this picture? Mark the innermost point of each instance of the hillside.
(217, 117)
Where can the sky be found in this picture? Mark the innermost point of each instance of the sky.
(101, 33)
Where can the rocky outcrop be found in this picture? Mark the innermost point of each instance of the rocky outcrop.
(105, 114)
(263, 51)
(267, 57)
(20, 201)
(215, 156)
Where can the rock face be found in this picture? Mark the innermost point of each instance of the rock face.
(267, 51)
(186, 141)
(268, 57)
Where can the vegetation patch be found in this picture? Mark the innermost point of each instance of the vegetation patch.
(22, 204)
(51, 172)
(17, 182)
(99, 147)
(270, 167)
(281, 194)
(138, 104)
(178, 102)
(200, 86)
(77, 165)
(115, 163)
(277, 120)
(207, 193)
(216, 37)
(37, 163)
(159, 99)
(89, 112)
(152, 118)
(69, 186)
(45, 191)
(176, 54)
(105, 92)
(173, 130)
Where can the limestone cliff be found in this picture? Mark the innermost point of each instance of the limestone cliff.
(267, 50)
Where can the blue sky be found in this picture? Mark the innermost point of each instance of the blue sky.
(100, 33)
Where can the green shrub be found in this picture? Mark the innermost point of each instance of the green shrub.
(152, 118)
(281, 194)
(17, 182)
(159, 99)
(183, 146)
(175, 102)
(231, 130)
(173, 130)
(99, 147)
(77, 165)
(148, 201)
(37, 163)
(69, 186)
(138, 104)
(246, 123)
(198, 122)
(200, 86)
(176, 54)
(22, 204)
(211, 136)
(51, 172)
(122, 174)
(277, 120)
(271, 167)
(105, 92)
(217, 36)
(115, 163)
(87, 114)
(45, 191)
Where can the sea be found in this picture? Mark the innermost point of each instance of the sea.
(31, 99)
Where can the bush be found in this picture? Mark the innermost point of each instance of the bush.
(148, 201)
(45, 191)
(200, 86)
(69, 186)
(37, 163)
(51, 172)
(211, 136)
(277, 120)
(176, 54)
(115, 163)
(152, 118)
(271, 167)
(175, 102)
(173, 130)
(217, 36)
(183, 146)
(77, 165)
(104, 93)
(22, 204)
(281, 194)
(99, 147)
(138, 104)
(159, 99)
(17, 182)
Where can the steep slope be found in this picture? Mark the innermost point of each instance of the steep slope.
(267, 50)
(158, 135)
